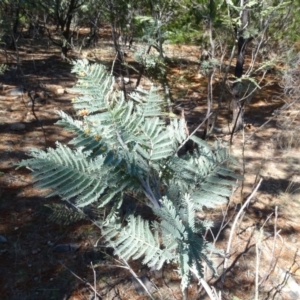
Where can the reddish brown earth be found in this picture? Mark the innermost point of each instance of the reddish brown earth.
(268, 231)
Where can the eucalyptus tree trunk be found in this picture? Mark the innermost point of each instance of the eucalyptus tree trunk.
(66, 25)
(63, 17)
(15, 9)
(237, 103)
(117, 15)
(210, 73)
(160, 18)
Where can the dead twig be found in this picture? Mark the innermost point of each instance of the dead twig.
(95, 281)
(82, 280)
(127, 267)
(227, 254)
(189, 136)
(273, 261)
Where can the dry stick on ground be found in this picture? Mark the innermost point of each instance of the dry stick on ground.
(211, 292)
(95, 281)
(39, 122)
(258, 251)
(127, 267)
(166, 284)
(227, 254)
(259, 240)
(82, 280)
(273, 261)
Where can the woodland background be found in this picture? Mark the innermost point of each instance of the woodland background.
(233, 64)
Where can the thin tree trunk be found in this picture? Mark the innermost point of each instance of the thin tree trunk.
(236, 103)
(210, 99)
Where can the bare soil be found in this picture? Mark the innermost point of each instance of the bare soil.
(266, 240)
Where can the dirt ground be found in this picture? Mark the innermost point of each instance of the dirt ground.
(42, 259)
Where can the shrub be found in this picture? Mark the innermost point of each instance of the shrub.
(288, 117)
(127, 150)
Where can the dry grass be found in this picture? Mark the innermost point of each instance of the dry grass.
(288, 119)
(288, 122)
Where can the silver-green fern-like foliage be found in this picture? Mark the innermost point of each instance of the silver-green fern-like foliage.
(127, 149)
(61, 214)
(3, 68)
